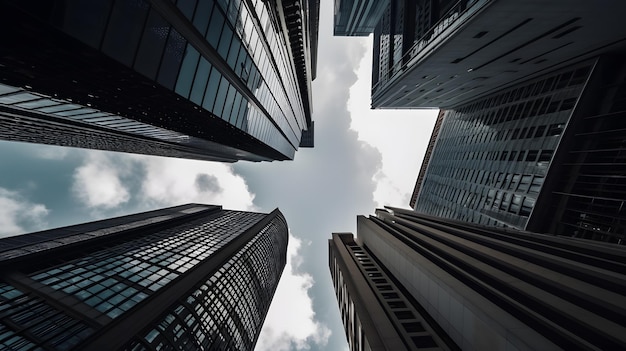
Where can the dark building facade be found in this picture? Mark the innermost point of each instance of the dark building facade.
(543, 155)
(532, 133)
(187, 277)
(203, 79)
(416, 278)
(447, 53)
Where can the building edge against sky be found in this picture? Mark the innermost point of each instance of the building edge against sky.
(202, 79)
(191, 276)
(422, 281)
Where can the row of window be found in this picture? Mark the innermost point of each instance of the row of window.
(17, 97)
(137, 36)
(239, 29)
(571, 78)
(227, 311)
(473, 147)
(225, 33)
(116, 279)
(27, 323)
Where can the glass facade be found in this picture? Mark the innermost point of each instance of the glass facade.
(492, 155)
(231, 67)
(79, 295)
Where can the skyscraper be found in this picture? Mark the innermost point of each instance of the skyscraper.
(542, 155)
(186, 277)
(203, 79)
(442, 53)
(534, 99)
(420, 281)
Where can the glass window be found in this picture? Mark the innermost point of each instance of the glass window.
(202, 15)
(236, 106)
(227, 36)
(199, 83)
(221, 97)
(151, 46)
(211, 91)
(20, 97)
(242, 118)
(228, 105)
(6, 89)
(83, 19)
(187, 71)
(215, 28)
(187, 7)
(124, 30)
(172, 58)
(234, 53)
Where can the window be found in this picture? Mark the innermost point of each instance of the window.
(124, 30)
(187, 71)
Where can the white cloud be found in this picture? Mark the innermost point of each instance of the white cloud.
(98, 182)
(18, 215)
(291, 323)
(52, 152)
(171, 181)
(401, 136)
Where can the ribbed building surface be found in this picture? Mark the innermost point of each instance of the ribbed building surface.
(187, 277)
(485, 288)
(357, 17)
(204, 79)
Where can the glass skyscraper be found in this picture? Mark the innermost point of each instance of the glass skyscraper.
(410, 281)
(492, 156)
(215, 80)
(187, 277)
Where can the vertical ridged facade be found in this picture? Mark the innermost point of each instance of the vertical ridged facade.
(493, 289)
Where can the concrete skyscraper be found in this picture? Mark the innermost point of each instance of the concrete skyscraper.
(410, 281)
(203, 79)
(187, 277)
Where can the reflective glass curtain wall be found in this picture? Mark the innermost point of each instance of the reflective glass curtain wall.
(492, 155)
(228, 66)
(191, 276)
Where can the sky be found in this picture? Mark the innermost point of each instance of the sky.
(362, 159)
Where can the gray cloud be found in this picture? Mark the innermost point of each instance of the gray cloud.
(208, 183)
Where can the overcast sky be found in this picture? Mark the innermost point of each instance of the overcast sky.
(362, 159)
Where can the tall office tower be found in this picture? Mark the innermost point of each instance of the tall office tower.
(543, 155)
(422, 281)
(203, 79)
(191, 277)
